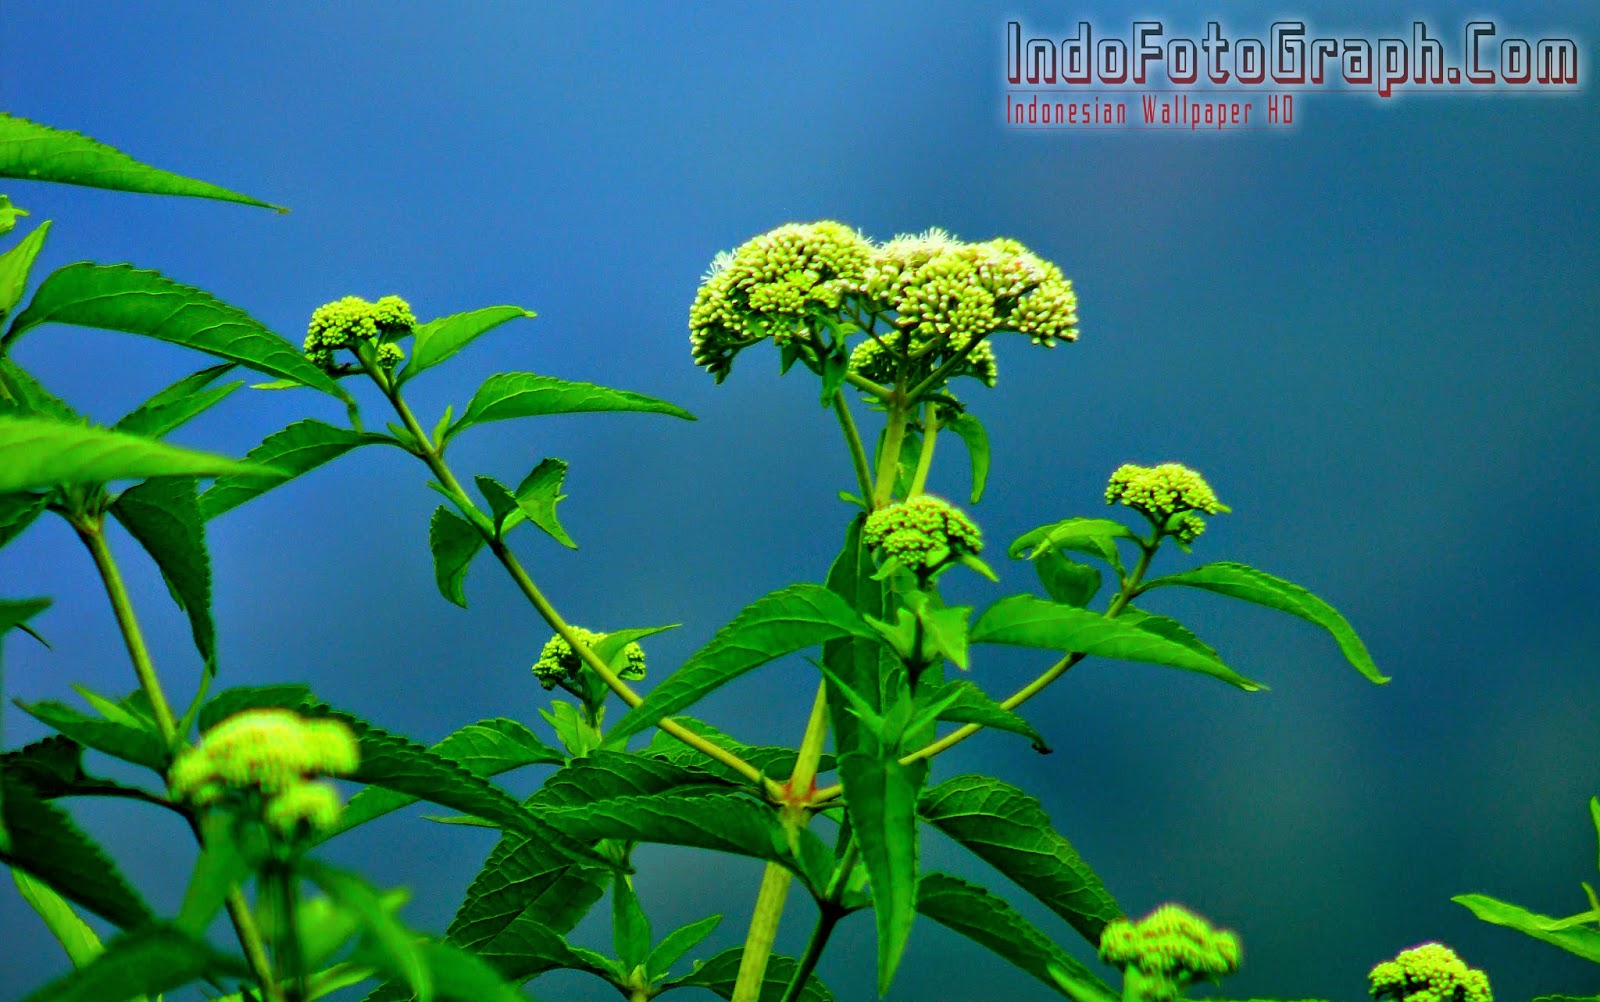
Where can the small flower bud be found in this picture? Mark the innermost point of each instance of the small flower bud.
(558, 662)
(924, 533)
(352, 320)
(1172, 944)
(1430, 972)
(1170, 495)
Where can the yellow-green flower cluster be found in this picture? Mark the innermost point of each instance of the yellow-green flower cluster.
(1170, 495)
(1429, 973)
(274, 754)
(940, 294)
(871, 360)
(352, 320)
(924, 533)
(558, 662)
(1168, 949)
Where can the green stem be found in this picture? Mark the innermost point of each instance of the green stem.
(925, 459)
(827, 918)
(289, 936)
(889, 455)
(938, 375)
(858, 452)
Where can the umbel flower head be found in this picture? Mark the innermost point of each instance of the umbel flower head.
(1430, 972)
(924, 534)
(352, 321)
(271, 756)
(1167, 949)
(559, 663)
(1170, 495)
(939, 296)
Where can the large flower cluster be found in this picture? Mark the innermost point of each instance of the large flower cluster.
(923, 533)
(270, 757)
(352, 321)
(1170, 495)
(559, 663)
(939, 295)
(1429, 973)
(1168, 949)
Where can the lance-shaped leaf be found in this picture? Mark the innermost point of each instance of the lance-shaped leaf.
(454, 542)
(1066, 581)
(527, 948)
(297, 449)
(970, 430)
(861, 664)
(1010, 830)
(119, 739)
(1096, 537)
(524, 877)
(21, 394)
(73, 933)
(536, 499)
(35, 152)
(991, 922)
(1581, 940)
(163, 514)
(882, 796)
(782, 622)
(1029, 621)
(677, 943)
(438, 339)
(721, 973)
(1166, 626)
(45, 843)
(158, 958)
(486, 748)
(15, 266)
(971, 705)
(38, 452)
(17, 512)
(1245, 582)
(525, 394)
(390, 944)
(607, 775)
(120, 297)
(172, 407)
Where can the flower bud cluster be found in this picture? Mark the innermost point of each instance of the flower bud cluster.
(1171, 945)
(940, 295)
(559, 663)
(1170, 495)
(1429, 973)
(872, 361)
(924, 533)
(273, 754)
(352, 321)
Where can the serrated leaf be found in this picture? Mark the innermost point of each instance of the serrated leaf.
(501, 501)
(1096, 537)
(525, 394)
(120, 297)
(1029, 621)
(34, 152)
(865, 666)
(782, 622)
(1166, 626)
(115, 738)
(37, 452)
(536, 499)
(295, 450)
(991, 922)
(72, 932)
(154, 959)
(776, 763)
(21, 394)
(677, 943)
(526, 948)
(1581, 940)
(970, 430)
(486, 748)
(172, 407)
(438, 339)
(1067, 581)
(454, 542)
(163, 514)
(721, 972)
(972, 705)
(524, 877)
(630, 927)
(252, 697)
(882, 797)
(15, 266)
(1242, 581)
(1010, 830)
(17, 512)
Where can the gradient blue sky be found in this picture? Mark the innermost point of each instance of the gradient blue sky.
(1374, 333)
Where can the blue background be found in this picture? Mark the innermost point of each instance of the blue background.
(1375, 334)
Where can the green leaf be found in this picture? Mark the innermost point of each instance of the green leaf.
(221, 866)
(972, 705)
(607, 775)
(946, 631)
(172, 407)
(777, 763)
(15, 266)
(524, 394)
(236, 700)
(72, 932)
(1245, 582)
(526, 948)
(1095, 537)
(970, 430)
(47, 845)
(120, 297)
(720, 973)
(782, 622)
(630, 927)
(297, 449)
(130, 743)
(394, 948)
(1067, 581)
(1166, 626)
(438, 339)
(154, 959)
(991, 922)
(864, 665)
(17, 512)
(524, 878)
(677, 943)
(1028, 621)
(21, 394)
(882, 797)
(501, 501)
(1581, 940)
(536, 499)
(486, 748)
(454, 542)
(163, 514)
(35, 152)
(38, 452)
(1010, 830)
